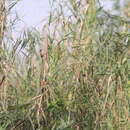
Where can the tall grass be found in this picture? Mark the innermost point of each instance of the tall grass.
(2, 19)
(73, 76)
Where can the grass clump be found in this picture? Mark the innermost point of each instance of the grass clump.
(77, 80)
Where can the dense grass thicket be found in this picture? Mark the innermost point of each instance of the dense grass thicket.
(72, 76)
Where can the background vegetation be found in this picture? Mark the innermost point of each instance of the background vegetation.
(72, 76)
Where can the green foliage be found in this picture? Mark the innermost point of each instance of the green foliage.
(78, 80)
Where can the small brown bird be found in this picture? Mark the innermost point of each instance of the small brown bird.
(41, 53)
